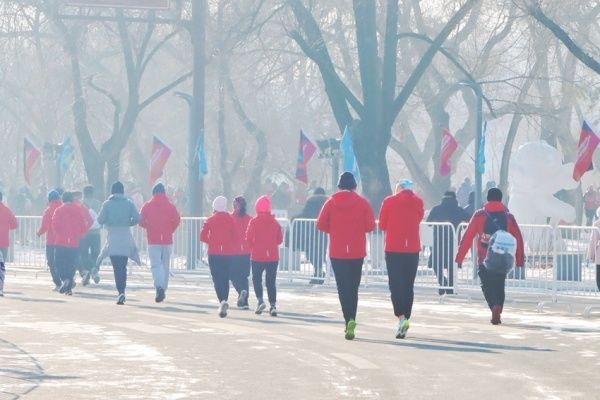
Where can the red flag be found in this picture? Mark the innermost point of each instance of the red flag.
(449, 146)
(31, 155)
(306, 149)
(160, 155)
(588, 141)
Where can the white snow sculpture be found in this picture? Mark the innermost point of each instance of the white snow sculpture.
(536, 173)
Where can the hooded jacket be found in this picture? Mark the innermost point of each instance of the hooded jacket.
(400, 217)
(448, 211)
(46, 227)
(8, 222)
(476, 229)
(240, 247)
(218, 232)
(118, 211)
(69, 225)
(264, 233)
(347, 218)
(160, 219)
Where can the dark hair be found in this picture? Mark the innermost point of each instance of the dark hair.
(88, 191)
(0, 196)
(242, 204)
(319, 190)
(347, 181)
(67, 197)
(451, 194)
(117, 188)
(494, 194)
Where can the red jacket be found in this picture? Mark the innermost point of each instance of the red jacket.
(70, 224)
(240, 246)
(347, 218)
(8, 222)
(400, 217)
(47, 223)
(160, 219)
(218, 232)
(264, 237)
(476, 229)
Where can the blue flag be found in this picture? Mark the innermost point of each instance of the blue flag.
(481, 155)
(347, 148)
(66, 156)
(202, 167)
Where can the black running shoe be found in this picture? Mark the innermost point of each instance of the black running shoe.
(160, 295)
(121, 299)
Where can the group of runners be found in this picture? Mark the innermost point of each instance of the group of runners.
(239, 244)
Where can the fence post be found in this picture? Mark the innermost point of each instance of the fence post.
(290, 257)
(555, 233)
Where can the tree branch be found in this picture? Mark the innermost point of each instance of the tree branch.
(164, 90)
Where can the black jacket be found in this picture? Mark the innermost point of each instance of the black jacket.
(448, 211)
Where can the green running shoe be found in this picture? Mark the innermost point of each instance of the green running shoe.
(402, 328)
(350, 326)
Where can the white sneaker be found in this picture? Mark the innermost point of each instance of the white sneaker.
(223, 307)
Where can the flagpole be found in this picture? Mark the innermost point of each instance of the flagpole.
(478, 135)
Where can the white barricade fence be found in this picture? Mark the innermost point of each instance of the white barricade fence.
(556, 257)
(437, 269)
(573, 273)
(27, 249)
(306, 249)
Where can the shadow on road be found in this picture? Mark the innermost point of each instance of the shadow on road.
(170, 309)
(414, 343)
(21, 373)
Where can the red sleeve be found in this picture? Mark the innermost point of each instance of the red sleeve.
(13, 224)
(279, 234)
(421, 209)
(369, 218)
(514, 230)
(46, 220)
(323, 218)
(176, 218)
(250, 234)
(205, 232)
(383, 216)
(143, 216)
(57, 222)
(474, 227)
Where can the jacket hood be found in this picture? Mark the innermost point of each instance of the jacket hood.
(344, 198)
(449, 202)
(494, 206)
(117, 196)
(263, 204)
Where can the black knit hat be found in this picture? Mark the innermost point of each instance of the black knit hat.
(494, 194)
(158, 188)
(117, 188)
(347, 181)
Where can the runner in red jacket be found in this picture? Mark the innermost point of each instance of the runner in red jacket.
(480, 227)
(160, 218)
(218, 232)
(69, 224)
(46, 228)
(400, 217)
(8, 222)
(264, 236)
(240, 267)
(347, 218)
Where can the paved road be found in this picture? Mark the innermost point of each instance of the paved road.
(86, 347)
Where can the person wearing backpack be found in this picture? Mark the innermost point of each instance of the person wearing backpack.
(484, 224)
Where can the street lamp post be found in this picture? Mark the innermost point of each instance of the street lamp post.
(329, 149)
(478, 135)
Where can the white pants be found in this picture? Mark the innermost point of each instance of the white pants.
(160, 256)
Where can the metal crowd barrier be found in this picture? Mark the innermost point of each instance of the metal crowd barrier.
(556, 257)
